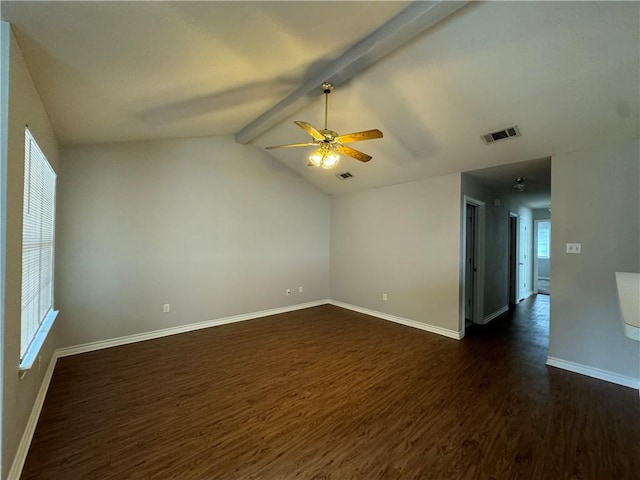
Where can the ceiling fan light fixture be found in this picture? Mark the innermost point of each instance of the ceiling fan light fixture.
(324, 157)
(519, 185)
(331, 160)
(329, 143)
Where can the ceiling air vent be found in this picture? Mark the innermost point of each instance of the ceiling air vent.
(501, 135)
(344, 175)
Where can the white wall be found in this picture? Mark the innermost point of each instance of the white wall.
(25, 108)
(403, 240)
(596, 202)
(208, 226)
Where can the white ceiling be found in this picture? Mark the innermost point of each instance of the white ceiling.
(535, 175)
(567, 73)
(112, 71)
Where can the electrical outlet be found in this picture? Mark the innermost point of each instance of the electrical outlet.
(384, 297)
(166, 308)
(288, 291)
(299, 289)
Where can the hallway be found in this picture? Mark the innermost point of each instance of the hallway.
(529, 318)
(519, 336)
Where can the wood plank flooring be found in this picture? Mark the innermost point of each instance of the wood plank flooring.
(327, 393)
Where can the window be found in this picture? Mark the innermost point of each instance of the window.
(544, 237)
(38, 229)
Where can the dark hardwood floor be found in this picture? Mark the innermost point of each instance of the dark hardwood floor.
(326, 393)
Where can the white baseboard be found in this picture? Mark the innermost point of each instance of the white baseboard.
(403, 321)
(27, 436)
(165, 332)
(527, 295)
(495, 314)
(605, 375)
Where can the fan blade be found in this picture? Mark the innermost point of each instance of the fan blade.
(291, 145)
(359, 136)
(363, 157)
(307, 127)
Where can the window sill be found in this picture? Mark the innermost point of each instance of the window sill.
(31, 355)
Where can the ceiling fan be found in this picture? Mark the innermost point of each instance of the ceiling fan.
(329, 143)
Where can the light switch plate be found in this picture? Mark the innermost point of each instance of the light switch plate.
(574, 248)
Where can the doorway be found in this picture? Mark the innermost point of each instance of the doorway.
(473, 264)
(524, 262)
(541, 256)
(513, 260)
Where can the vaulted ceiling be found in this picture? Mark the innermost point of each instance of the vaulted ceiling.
(566, 73)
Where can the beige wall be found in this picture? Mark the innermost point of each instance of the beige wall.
(25, 108)
(211, 227)
(596, 202)
(402, 240)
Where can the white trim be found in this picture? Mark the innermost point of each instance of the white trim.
(513, 290)
(593, 372)
(27, 436)
(5, 46)
(165, 332)
(402, 321)
(495, 314)
(38, 341)
(631, 331)
(628, 287)
(478, 300)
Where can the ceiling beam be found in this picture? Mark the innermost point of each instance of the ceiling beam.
(406, 25)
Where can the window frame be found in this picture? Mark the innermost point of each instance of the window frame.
(33, 153)
(548, 249)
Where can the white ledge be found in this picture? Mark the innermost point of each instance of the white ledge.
(629, 298)
(36, 344)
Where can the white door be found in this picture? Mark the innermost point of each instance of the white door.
(513, 260)
(523, 257)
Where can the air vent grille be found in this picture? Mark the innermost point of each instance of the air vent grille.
(503, 134)
(344, 175)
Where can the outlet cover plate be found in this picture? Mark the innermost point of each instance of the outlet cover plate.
(575, 248)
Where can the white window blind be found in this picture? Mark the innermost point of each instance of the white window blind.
(544, 236)
(37, 241)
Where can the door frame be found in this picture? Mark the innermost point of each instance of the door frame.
(525, 250)
(5, 35)
(513, 284)
(536, 260)
(478, 296)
